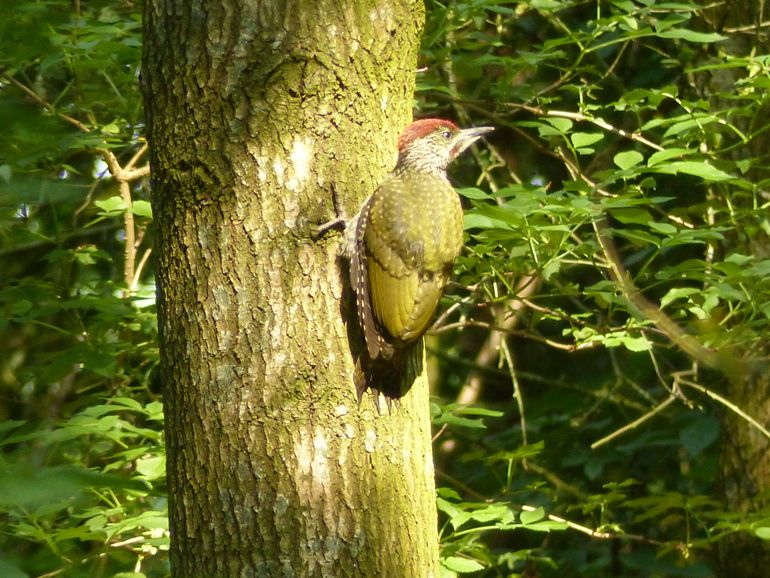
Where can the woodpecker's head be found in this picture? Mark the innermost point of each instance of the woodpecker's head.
(431, 144)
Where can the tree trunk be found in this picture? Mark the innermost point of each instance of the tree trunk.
(744, 466)
(261, 115)
(745, 477)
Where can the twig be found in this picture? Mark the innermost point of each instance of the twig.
(725, 402)
(135, 159)
(592, 532)
(129, 250)
(636, 423)
(45, 104)
(528, 335)
(139, 267)
(516, 394)
(580, 117)
(437, 435)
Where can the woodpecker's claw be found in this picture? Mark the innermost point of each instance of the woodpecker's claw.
(339, 222)
(318, 231)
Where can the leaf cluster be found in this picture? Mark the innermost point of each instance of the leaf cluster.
(613, 283)
(82, 473)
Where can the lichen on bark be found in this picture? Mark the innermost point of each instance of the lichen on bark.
(259, 113)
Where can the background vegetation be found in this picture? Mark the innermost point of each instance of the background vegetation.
(612, 298)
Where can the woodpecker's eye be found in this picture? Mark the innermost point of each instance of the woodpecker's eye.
(447, 134)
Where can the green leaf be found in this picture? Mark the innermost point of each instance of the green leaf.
(30, 486)
(126, 402)
(665, 228)
(698, 123)
(547, 526)
(632, 215)
(457, 516)
(21, 307)
(451, 419)
(560, 126)
(520, 453)
(692, 35)
(584, 139)
(477, 221)
(762, 533)
(473, 193)
(636, 344)
(152, 468)
(697, 169)
(142, 209)
(661, 156)
(531, 516)
(546, 5)
(677, 293)
(499, 513)
(111, 128)
(473, 410)
(448, 493)
(111, 207)
(462, 565)
(627, 159)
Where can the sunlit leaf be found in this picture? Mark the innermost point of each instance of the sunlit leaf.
(462, 565)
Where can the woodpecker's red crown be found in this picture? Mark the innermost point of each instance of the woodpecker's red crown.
(422, 128)
(429, 145)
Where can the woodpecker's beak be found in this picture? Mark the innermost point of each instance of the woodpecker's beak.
(468, 136)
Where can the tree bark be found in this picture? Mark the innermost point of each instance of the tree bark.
(261, 115)
(744, 465)
(745, 476)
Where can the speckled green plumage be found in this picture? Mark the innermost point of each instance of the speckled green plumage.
(413, 236)
(401, 246)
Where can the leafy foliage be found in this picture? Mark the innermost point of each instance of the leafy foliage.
(615, 278)
(82, 473)
(616, 240)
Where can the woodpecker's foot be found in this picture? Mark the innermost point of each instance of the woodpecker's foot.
(340, 222)
(319, 231)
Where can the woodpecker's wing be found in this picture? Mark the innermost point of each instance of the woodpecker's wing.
(408, 253)
(376, 343)
(403, 305)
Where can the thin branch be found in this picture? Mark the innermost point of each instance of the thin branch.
(135, 174)
(516, 394)
(139, 268)
(593, 533)
(725, 402)
(44, 103)
(129, 250)
(747, 28)
(634, 424)
(439, 433)
(526, 334)
(580, 117)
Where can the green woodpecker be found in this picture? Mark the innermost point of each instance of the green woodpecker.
(402, 245)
